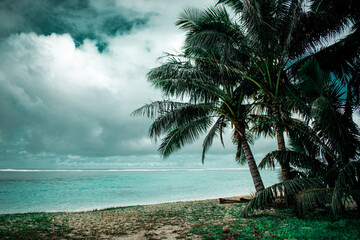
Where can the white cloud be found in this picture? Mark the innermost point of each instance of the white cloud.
(68, 99)
(75, 101)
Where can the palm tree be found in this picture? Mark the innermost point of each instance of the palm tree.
(325, 150)
(262, 43)
(215, 102)
(256, 55)
(280, 33)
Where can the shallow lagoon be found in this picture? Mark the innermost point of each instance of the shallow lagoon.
(78, 190)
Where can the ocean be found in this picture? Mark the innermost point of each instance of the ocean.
(80, 190)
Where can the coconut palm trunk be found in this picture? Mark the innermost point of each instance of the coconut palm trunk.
(255, 174)
(285, 166)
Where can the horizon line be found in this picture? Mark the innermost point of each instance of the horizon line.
(125, 170)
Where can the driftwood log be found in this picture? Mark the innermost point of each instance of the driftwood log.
(241, 200)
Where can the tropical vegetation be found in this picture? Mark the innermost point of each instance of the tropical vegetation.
(270, 68)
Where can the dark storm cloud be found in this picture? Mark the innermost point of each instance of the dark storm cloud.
(79, 18)
(61, 99)
(66, 103)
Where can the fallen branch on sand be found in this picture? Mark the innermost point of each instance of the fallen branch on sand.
(241, 200)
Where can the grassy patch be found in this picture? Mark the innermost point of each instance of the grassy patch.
(283, 225)
(185, 220)
(30, 226)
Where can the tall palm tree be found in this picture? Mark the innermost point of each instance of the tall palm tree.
(325, 150)
(263, 42)
(215, 102)
(281, 35)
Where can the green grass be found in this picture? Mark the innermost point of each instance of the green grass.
(284, 225)
(30, 226)
(205, 220)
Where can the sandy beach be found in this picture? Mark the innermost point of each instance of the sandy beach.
(158, 221)
(204, 219)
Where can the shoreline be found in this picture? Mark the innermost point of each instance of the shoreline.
(132, 170)
(196, 219)
(131, 205)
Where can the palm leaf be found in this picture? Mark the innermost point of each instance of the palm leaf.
(181, 136)
(286, 188)
(313, 198)
(157, 108)
(236, 5)
(176, 117)
(212, 133)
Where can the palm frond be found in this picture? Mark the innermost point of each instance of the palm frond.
(263, 125)
(281, 190)
(313, 198)
(157, 108)
(211, 28)
(181, 136)
(188, 19)
(236, 5)
(175, 78)
(176, 117)
(298, 160)
(347, 176)
(341, 197)
(208, 140)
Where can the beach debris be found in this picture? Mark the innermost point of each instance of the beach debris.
(226, 229)
(241, 200)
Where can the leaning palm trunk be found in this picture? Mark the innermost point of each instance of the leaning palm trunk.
(258, 183)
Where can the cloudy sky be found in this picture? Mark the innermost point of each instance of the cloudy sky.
(72, 71)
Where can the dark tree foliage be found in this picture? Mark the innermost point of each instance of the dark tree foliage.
(270, 67)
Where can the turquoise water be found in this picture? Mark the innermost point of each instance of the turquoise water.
(78, 190)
